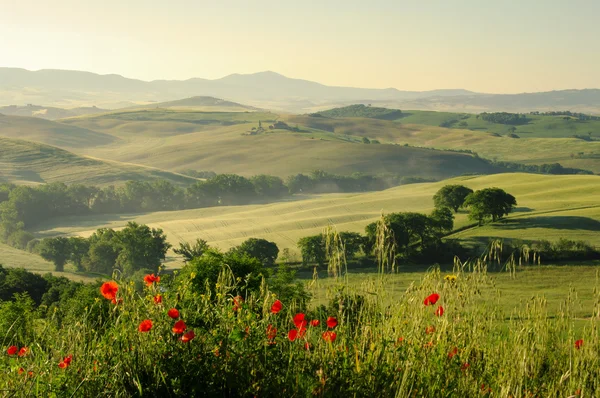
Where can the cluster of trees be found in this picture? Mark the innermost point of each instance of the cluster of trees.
(566, 249)
(546, 168)
(580, 116)
(504, 118)
(134, 248)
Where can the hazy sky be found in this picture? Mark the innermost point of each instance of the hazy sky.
(482, 45)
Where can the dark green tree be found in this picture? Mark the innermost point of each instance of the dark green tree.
(452, 196)
(57, 250)
(442, 220)
(261, 249)
(352, 243)
(312, 249)
(488, 203)
(80, 248)
(140, 247)
(189, 252)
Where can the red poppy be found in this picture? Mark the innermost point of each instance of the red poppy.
(23, 351)
(271, 332)
(145, 325)
(329, 336)
(452, 353)
(62, 364)
(331, 322)
(68, 359)
(431, 299)
(21, 370)
(158, 299)
(188, 336)
(293, 334)
(109, 290)
(429, 329)
(12, 350)
(315, 322)
(276, 307)
(115, 301)
(578, 344)
(439, 311)
(150, 279)
(173, 313)
(237, 302)
(299, 321)
(307, 346)
(179, 327)
(465, 366)
(30, 374)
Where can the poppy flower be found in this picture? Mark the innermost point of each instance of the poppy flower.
(465, 366)
(189, 336)
(578, 344)
(173, 313)
(331, 322)
(109, 290)
(307, 346)
(21, 370)
(179, 327)
(158, 299)
(237, 302)
(431, 299)
(276, 307)
(452, 353)
(439, 311)
(429, 329)
(329, 336)
(271, 332)
(62, 364)
(150, 279)
(23, 351)
(145, 325)
(299, 321)
(315, 322)
(12, 350)
(68, 359)
(292, 334)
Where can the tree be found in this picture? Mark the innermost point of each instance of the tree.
(365, 140)
(452, 196)
(80, 248)
(352, 243)
(190, 252)
(140, 247)
(261, 249)
(488, 203)
(269, 187)
(313, 249)
(442, 220)
(56, 250)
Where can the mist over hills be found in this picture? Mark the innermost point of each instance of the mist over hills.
(71, 89)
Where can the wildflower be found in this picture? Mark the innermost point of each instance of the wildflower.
(158, 299)
(115, 301)
(450, 278)
(315, 322)
(431, 299)
(179, 327)
(299, 321)
(30, 374)
(329, 336)
(23, 351)
(145, 325)
(188, 336)
(452, 353)
(62, 364)
(150, 279)
(429, 329)
(68, 359)
(237, 302)
(292, 334)
(578, 344)
(21, 370)
(173, 313)
(465, 366)
(12, 350)
(331, 322)
(276, 307)
(439, 311)
(109, 290)
(307, 346)
(271, 332)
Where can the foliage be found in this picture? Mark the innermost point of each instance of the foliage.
(57, 250)
(312, 249)
(260, 249)
(452, 196)
(360, 110)
(488, 203)
(504, 118)
(189, 252)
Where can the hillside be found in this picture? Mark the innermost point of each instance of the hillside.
(361, 110)
(48, 112)
(200, 103)
(549, 207)
(27, 162)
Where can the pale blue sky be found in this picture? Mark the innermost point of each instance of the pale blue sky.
(481, 45)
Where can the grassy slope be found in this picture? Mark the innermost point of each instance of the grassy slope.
(549, 207)
(522, 150)
(28, 162)
(184, 140)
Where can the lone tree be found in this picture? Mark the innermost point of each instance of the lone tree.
(452, 196)
(57, 250)
(260, 249)
(487, 203)
(313, 249)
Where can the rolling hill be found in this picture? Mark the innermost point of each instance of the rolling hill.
(47, 112)
(25, 162)
(549, 207)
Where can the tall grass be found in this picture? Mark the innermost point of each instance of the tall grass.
(384, 345)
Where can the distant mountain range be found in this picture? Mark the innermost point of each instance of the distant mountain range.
(71, 89)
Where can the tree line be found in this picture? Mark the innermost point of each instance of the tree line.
(504, 118)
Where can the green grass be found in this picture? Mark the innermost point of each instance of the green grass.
(26, 162)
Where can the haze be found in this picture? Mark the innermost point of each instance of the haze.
(499, 47)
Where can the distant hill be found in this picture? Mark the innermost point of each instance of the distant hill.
(361, 110)
(200, 102)
(48, 112)
(25, 162)
(268, 90)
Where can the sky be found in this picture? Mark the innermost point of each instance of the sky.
(495, 46)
